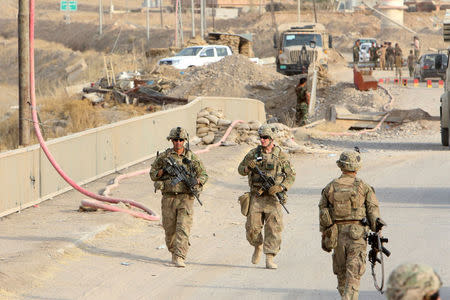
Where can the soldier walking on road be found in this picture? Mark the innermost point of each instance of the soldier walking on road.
(303, 99)
(345, 202)
(413, 282)
(177, 204)
(265, 211)
(411, 63)
(356, 52)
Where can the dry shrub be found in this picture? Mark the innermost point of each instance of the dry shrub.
(9, 132)
(81, 115)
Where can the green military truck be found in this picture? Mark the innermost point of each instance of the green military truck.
(445, 97)
(290, 42)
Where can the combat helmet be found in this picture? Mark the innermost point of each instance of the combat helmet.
(178, 133)
(267, 130)
(349, 161)
(412, 281)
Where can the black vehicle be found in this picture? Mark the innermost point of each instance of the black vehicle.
(431, 65)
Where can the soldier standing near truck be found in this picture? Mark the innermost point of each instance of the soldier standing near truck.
(303, 98)
(356, 52)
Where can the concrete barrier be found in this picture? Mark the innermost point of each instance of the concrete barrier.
(27, 177)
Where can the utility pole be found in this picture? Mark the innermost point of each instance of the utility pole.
(100, 16)
(160, 13)
(202, 23)
(204, 16)
(111, 9)
(148, 19)
(298, 11)
(315, 14)
(193, 17)
(24, 72)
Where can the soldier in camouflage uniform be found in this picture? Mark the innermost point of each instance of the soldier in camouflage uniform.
(177, 204)
(413, 282)
(265, 210)
(303, 99)
(345, 202)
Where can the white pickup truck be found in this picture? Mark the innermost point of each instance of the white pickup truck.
(196, 56)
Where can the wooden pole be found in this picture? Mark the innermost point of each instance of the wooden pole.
(24, 72)
(161, 12)
(100, 16)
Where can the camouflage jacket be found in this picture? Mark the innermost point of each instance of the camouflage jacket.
(192, 164)
(348, 198)
(275, 164)
(301, 92)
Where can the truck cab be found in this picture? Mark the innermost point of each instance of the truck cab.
(311, 38)
(445, 97)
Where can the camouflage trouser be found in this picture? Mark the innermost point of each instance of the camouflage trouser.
(382, 63)
(301, 114)
(398, 72)
(177, 212)
(411, 71)
(265, 211)
(349, 260)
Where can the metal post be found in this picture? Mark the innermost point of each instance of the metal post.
(204, 16)
(298, 11)
(111, 8)
(180, 20)
(193, 17)
(176, 23)
(24, 69)
(100, 14)
(315, 15)
(202, 24)
(161, 12)
(148, 19)
(213, 11)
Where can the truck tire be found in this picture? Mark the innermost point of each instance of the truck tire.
(444, 136)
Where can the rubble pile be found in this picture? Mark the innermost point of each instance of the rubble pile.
(233, 76)
(346, 95)
(212, 124)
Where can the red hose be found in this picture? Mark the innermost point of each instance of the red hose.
(151, 215)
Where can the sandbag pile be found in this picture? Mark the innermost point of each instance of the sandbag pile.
(212, 124)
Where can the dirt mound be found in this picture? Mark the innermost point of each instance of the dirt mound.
(346, 95)
(233, 76)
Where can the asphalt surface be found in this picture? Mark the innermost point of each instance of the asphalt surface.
(54, 252)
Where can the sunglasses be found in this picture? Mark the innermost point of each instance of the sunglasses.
(178, 140)
(264, 137)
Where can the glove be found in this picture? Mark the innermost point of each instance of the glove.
(275, 189)
(251, 164)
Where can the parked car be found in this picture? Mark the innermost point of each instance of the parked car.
(431, 65)
(364, 55)
(196, 56)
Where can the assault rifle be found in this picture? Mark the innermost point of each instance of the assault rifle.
(376, 241)
(267, 183)
(180, 174)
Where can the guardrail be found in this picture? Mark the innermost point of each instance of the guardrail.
(27, 177)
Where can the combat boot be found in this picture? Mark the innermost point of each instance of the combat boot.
(269, 262)
(256, 254)
(174, 258)
(179, 262)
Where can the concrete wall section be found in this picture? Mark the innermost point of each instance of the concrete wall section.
(27, 177)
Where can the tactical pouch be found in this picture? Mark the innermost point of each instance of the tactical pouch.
(356, 232)
(244, 201)
(330, 238)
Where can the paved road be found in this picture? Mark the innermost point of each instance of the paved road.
(123, 261)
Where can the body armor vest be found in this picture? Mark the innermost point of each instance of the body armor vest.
(347, 201)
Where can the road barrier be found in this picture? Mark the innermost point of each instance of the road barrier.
(27, 177)
(412, 82)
